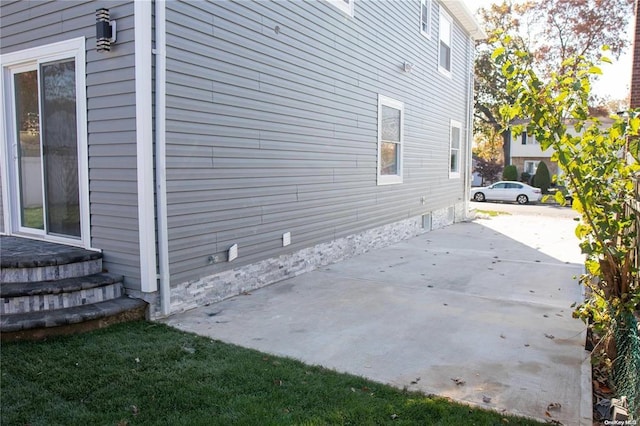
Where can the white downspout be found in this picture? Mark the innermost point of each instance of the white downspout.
(144, 145)
(469, 156)
(161, 159)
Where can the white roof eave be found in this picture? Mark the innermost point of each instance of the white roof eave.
(462, 13)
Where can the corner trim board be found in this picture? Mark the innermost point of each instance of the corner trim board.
(144, 141)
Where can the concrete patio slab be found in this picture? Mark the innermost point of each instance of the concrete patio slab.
(486, 303)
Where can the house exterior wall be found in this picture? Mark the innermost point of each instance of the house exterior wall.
(635, 70)
(110, 115)
(635, 67)
(551, 165)
(272, 112)
(530, 149)
(1, 204)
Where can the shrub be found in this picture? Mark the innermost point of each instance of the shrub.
(525, 177)
(542, 178)
(510, 172)
(489, 170)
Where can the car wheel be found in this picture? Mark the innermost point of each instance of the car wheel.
(479, 196)
(522, 199)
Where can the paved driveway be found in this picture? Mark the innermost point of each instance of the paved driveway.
(485, 304)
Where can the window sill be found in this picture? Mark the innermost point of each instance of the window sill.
(389, 180)
(444, 72)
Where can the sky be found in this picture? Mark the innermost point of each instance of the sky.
(616, 78)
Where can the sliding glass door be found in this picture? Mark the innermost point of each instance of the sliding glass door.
(47, 148)
(46, 132)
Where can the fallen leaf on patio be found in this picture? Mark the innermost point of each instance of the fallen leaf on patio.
(458, 381)
(554, 406)
(526, 345)
(486, 399)
(502, 336)
(415, 382)
(549, 336)
(546, 316)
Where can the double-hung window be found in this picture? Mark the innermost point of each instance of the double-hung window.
(444, 52)
(530, 166)
(344, 5)
(425, 17)
(454, 149)
(528, 139)
(390, 140)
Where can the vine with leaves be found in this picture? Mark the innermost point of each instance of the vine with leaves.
(598, 163)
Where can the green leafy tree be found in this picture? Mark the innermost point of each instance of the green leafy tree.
(552, 31)
(488, 170)
(597, 169)
(542, 178)
(489, 83)
(510, 172)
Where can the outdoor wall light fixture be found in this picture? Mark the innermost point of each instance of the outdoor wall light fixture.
(407, 67)
(105, 30)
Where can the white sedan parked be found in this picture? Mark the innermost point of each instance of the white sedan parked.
(507, 191)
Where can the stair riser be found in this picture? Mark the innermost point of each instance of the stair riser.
(47, 302)
(49, 273)
(138, 313)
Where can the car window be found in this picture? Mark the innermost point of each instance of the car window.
(499, 186)
(514, 185)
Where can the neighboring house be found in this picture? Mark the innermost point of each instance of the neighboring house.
(476, 179)
(526, 152)
(634, 92)
(219, 146)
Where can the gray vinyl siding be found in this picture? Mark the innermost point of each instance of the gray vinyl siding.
(1, 204)
(110, 115)
(272, 124)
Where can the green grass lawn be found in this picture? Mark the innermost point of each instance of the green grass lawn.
(150, 374)
(493, 213)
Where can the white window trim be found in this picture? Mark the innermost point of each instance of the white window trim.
(445, 15)
(458, 125)
(344, 7)
(393, 103)
(428, 4)
(535, 166)
(72, 48)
